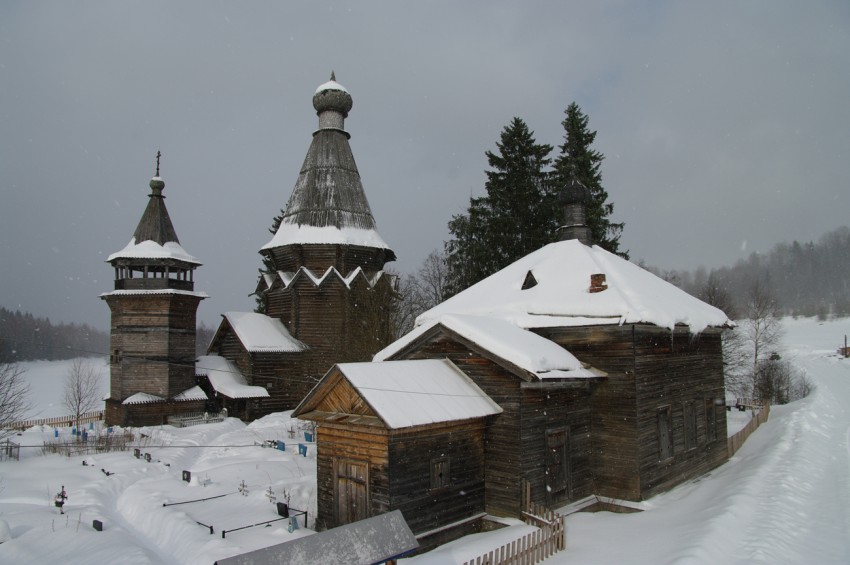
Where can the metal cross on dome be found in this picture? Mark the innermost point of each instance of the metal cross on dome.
(158, 155)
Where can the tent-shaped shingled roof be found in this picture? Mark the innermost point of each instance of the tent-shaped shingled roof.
(328, 203)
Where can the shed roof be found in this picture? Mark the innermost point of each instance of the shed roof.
(373, 540)
(260, 333)
(561, 295)
(226, 378)
(524, 349)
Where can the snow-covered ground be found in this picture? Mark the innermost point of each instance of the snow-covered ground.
(784, 498)
(47, 385)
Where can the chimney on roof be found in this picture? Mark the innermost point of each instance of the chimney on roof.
(597, 283)
(573, 199)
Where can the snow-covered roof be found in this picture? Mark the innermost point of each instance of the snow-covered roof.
(150, 249)
(561, 295)
(194, 393)
(156, 291)
(287, 278)
(260, 333)
(527, 350)
(142, 398)
(226, 379)
(331, 85)
(294, 234)
(423, 391)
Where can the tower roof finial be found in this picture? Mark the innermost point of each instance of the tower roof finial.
(333, 76)
(158, 155)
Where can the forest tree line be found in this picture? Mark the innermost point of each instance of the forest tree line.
(805, 279)
(24, 337)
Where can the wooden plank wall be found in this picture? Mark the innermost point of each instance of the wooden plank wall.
(503, 445)
(155, 335)
(550, 409)
(673, 371)
(410, 458)
(614, 459)
(358, 443)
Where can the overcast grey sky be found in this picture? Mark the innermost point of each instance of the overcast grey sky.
(725, 125)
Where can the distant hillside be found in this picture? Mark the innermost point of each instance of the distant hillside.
(23, 337)
(806, 279)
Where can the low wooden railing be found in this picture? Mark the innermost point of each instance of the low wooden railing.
(533, 547)
(86, 418)
(734, 443)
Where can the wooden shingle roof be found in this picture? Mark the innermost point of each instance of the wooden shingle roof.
(328, 204)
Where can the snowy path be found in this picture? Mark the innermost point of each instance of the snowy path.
(784, 498)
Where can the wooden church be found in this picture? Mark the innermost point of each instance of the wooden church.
(608, 383)
(327, 298)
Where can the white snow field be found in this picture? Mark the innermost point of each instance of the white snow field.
(783, 498)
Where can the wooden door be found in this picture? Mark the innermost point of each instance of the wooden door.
(352, 491)
(557, 464)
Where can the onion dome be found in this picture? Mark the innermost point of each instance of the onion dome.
(332, 96)
(574, 192)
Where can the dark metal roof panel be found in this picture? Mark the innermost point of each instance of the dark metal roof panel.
(369, 541)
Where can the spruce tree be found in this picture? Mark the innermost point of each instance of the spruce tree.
(517, 216)
(579, 161)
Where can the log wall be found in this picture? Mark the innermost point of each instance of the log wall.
(152, 343)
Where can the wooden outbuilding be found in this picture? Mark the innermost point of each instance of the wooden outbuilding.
(402, 435)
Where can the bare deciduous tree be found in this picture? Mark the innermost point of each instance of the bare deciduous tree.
(14, 396)
(748, 350)
(421, 291)
(82, 389)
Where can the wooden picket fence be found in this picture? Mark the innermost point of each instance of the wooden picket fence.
(86, 418)
(734, 443)
(534, 547)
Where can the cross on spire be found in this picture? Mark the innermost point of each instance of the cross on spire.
(158, 155)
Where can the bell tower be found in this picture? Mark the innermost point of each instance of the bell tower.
(152, 335)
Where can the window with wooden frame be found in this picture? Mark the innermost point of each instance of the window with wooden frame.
(689, 412)
(665, 433)
(710, 420)
(439, 473)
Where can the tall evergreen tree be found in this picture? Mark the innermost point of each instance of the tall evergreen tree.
(517, 216)
(579, 161)
(268, 267)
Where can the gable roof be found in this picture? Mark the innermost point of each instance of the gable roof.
(562, 297)
(226, 378)
(261, 333)
(409, 393)
(524, 349)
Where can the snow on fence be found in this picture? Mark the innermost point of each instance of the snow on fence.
(86, 418)
(534, 547)
(10, 450)
(196, 419)
(734, 443)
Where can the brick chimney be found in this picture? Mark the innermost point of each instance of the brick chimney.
(597, 283)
